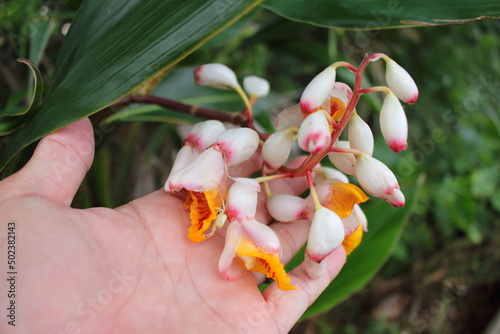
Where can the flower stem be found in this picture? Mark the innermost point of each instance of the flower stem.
(314, 195)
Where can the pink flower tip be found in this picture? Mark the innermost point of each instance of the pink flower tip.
(397, 146)
(306, 107)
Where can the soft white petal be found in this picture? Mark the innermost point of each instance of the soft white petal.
(291, 116)
(204, 173)
(238, 144)
(263, 236)
(314, 269)
(185, 156)
(227, 267)
(325, 175)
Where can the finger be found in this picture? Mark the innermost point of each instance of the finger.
(288, 306)
(59, 164)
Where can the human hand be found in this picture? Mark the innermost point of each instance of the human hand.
(131, 269)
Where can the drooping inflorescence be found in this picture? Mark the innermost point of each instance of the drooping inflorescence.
(326, 108)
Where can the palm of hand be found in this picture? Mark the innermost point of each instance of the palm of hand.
(132, 269)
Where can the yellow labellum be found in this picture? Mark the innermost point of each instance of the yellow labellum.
(267, 264)
(344, 196)
(353, 240)
(203, 207)
(337, 108)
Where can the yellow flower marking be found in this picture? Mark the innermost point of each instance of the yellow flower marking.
(344, 196)
(353, 240)
(203, 211)
(267, 264)
(337, 108)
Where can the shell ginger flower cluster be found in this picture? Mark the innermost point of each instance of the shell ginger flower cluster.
(326, 108)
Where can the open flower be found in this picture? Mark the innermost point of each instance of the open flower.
(256, 247)
(205, 178)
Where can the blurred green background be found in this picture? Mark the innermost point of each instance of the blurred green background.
(444, 274)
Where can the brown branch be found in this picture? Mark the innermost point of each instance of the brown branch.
(235, 118)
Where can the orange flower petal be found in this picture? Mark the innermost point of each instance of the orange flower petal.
(337, 108)
(203, 209)
(344, 196)
(353, 240)
(268, 264)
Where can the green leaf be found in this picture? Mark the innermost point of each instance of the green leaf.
(376, 14)
(113, 46)
(385, 226)
(41, 30)
(13, 109)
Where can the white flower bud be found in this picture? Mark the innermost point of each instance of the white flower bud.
(216, 75)
(378, 180)
(286, 208)
(314, 133)
(256, 86)
(291, 116)
(204, 134)
(276, 149)
(360, 135)
(242, 199)
(393, 123)
(317, 90)
(345, 162)
(238, 144)
(326, 234)
(400, 82)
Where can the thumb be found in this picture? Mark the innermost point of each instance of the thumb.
(59, 164)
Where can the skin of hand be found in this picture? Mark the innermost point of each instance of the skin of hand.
(131, 269)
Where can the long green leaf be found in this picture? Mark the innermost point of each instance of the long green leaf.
(115, 45)
(376, 14)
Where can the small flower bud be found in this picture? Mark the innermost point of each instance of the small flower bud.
(326, 234)
(314, 133)
(276, 149)
(360, 135)
(216, 75)
(204, 134)
(256, 86)
(345, 162)
(291, 116)
(286, 208)
(393, 123)
(238, 144)
(378, 180)
(242, 199)
(400, 82)
(317, 90)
